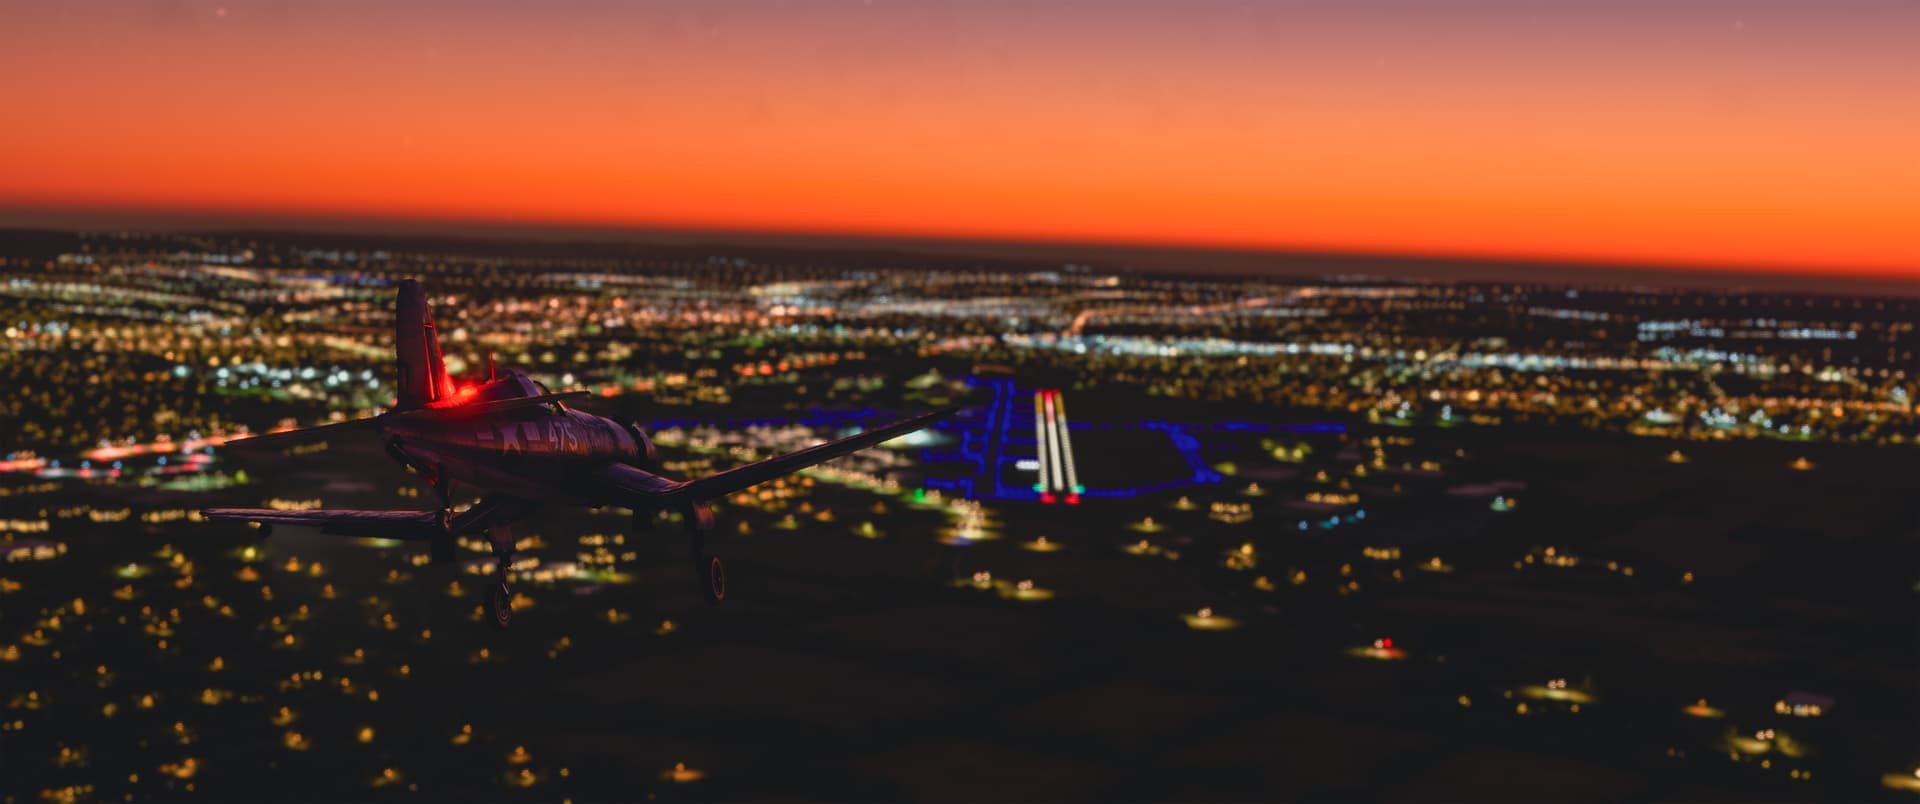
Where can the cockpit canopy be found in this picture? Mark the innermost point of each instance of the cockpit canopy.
(512, 384)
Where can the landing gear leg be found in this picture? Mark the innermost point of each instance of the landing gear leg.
(500, 594)
(442, 544)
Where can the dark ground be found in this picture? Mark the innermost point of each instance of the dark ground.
(845, 668)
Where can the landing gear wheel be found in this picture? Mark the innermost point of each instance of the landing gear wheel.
(716, 580)
(500, 606)
(710, 572)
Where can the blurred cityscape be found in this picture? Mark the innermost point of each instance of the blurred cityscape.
(1190, 538)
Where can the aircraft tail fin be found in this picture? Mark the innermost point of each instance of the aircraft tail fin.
(423, 372)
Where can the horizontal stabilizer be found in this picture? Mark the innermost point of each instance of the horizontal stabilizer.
(456, 407)
(305, 434)
(341, 521)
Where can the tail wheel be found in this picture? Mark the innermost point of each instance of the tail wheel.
(500, 606)
(716, 576)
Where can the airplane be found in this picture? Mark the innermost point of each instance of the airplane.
(522, 447)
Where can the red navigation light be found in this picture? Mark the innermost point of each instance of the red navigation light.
(1073, 499)
(1386, 644)
(1047, 497)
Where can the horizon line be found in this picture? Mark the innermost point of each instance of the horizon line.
(175, 220)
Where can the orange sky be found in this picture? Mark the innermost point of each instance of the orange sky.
(1756, 135)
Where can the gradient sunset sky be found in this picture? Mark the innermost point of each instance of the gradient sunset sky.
(1753, 135)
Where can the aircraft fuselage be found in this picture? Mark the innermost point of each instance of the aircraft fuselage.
(531, 453)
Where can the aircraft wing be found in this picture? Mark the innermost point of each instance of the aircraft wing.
(303, 434)
(341, 521)
(723, 483)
